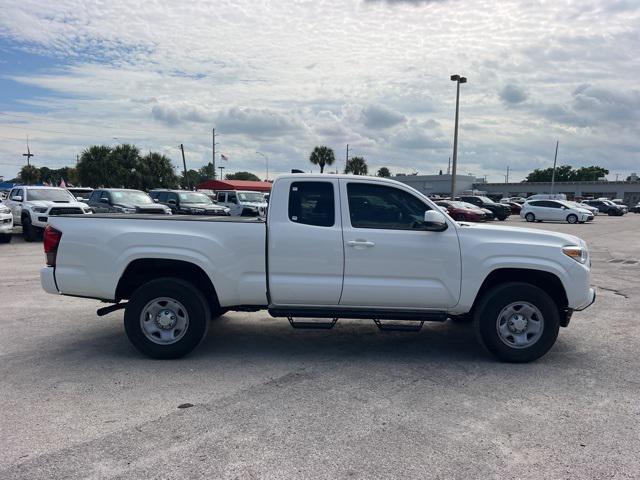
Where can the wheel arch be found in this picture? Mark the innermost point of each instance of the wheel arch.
(547, 281)
(143, 270)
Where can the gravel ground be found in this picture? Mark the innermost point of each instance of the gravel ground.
(272, 402)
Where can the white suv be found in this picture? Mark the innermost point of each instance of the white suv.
(32, 206)
(6, 223)
(243, 203)
(554, 210)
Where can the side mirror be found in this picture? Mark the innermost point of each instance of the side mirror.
(80, 199)
(155, 200)
(434, 221)
(104, 200)
(16, 198)
(171, 202)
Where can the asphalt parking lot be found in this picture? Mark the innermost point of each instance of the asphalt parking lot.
(353, 402)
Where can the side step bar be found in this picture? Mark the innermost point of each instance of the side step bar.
(357, 313)
(415, 318)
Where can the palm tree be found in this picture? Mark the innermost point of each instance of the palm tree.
(383, 172)
(357, 166)
(322, 156)
(29, 174)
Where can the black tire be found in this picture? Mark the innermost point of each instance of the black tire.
(218, 312)
(572, 218)
(499, 297)
(530, 217)
(460, 217)
(183, 292)
(29, 232)
(502, 219)
(5, 238)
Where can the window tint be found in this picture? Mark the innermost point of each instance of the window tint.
(312, 203)
(232, 198)
(536, 203)
(95, 196)
(162, 197)
(220, 197)
(379, 206)
(172, 196)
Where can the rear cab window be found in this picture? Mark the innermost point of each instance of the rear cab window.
(312, 203)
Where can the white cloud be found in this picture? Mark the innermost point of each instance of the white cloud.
(282, 77)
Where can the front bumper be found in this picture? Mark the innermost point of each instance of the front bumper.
(6, 224)
(48, 280)
(590, 301)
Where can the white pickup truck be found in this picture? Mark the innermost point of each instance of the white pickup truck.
(332, 246)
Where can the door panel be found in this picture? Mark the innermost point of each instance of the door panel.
(305, 251)
(396, 265)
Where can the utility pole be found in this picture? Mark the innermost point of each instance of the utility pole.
(346, 163)
(449, 166)
(184, 164)
(221, 177)
(458, 79)
(28, 154)
(213, 152)
(507, 179)
(553, 174)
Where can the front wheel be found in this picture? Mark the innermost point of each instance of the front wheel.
(530, 217)
(166, 318)
(572, 218)
(28, 230)
(5, 238)
(517, 322)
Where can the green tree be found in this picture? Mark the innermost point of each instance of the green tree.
(592, 173)
(156, 171)
(357, 166)
(125, 160)
(322, 156)
(207, 172)
(563, 174)
(96, 166)
(242, 176)
(383, 172)
(192, 180)
(29, 175)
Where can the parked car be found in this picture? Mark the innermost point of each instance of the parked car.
(82, 194)
(6, 224)
(32, 207)
(120, 200)
(515, 207)
(518, 200)
(621, 204)
(332, 246)
(188, 203)
(606, 206)
(501, 212)
(461, 211)
(554, 211)
(243, 203)
(594, 211)
(636, 208)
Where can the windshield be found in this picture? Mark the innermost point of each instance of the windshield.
(51, 194)
(133, 197)
(486, 199)
(192, 197)
(251, 197)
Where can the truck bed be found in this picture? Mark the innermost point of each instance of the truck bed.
(95, 250)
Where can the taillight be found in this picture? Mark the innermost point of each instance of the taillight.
(51, 241)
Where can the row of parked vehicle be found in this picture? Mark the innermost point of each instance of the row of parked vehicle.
(31, 206)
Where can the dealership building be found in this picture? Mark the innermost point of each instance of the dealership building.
(430, 185)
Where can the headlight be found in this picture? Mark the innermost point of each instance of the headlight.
(579, 254)
(40, 209)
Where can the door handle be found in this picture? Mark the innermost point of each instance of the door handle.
(360, 243)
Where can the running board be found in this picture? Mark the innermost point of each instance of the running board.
(312, 325)
(359, 313)
(410, 326)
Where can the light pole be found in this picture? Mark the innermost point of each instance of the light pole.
(458, 79)
(267, 159)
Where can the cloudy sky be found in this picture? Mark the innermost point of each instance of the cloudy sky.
(280, 77)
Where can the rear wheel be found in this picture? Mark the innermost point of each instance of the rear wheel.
(572, 218)
(517, 322)
(530, 217)
(166, 318)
